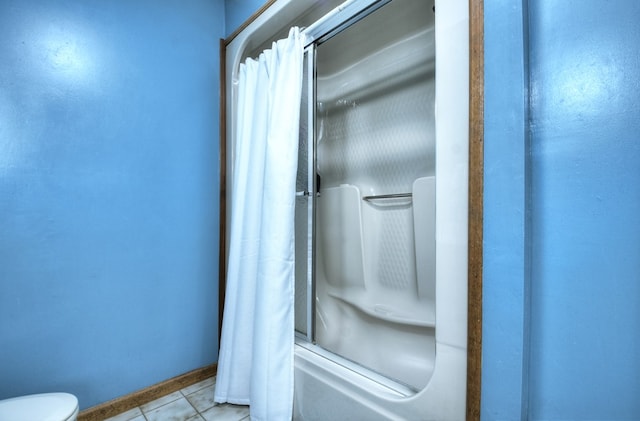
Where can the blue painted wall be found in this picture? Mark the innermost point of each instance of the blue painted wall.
(504, 360)
(238, 11)
(108, 193)
(585, 198)
(578, 272)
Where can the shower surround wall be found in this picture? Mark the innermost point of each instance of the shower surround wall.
(375, 270)
(391, 293)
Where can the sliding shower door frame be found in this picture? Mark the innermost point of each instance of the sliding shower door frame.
(311, 191)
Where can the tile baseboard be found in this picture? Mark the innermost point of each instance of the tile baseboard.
(146, 395)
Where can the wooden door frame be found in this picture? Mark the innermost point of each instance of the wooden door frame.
(476, 174)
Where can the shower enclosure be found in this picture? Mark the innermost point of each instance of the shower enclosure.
(381, 206)
(374, 175)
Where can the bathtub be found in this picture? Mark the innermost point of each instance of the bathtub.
(326, 389)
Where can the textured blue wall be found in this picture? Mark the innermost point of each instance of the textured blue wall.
(108, 193)
(585, 227)
(237, 11)
(577, 163)
(504, 359)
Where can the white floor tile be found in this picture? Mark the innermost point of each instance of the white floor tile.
(226, 412)
(197, 386)
(161, 401)
(178, 410)
(202, 399)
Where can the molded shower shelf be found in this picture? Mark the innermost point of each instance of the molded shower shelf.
(421, 314)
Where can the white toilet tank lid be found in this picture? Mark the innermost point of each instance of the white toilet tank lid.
(42, 407)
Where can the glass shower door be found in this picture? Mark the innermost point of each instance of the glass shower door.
(375, 214)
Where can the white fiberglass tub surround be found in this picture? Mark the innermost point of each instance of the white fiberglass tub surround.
(383, 328)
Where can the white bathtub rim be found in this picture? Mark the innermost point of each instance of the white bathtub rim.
(440, 399)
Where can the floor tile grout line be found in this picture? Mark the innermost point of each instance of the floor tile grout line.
(144, 414)
(197, 390)
(200, 413)
(164, 404)
(182, 395)
(194, 408)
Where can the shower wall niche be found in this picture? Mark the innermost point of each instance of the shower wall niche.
(375, 211)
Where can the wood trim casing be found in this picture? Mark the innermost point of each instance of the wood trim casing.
(140, 397)
(476, 172)
(222, 255)
(249, 21)
(475, 212)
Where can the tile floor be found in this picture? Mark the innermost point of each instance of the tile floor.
(193, 403)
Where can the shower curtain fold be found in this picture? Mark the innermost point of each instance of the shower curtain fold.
(255, 365)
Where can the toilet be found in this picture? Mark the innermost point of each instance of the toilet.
(42, 407)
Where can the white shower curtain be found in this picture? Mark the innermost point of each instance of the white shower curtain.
(255, 366)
